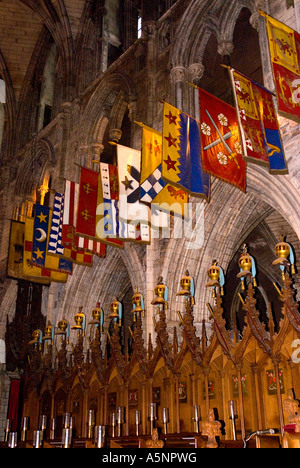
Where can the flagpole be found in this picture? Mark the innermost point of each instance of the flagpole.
(253, 81)
(193, 85)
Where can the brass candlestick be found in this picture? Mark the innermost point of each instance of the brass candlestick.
(197, 417)
(43, 425)
(153, 416)
(67, 438)
(67, 420)
(13, 440)
(24, 426)
(165, 418)
(99, 436)
(233, 416)
(37, 439)
(120, 419)
(137, 422)
(113, 424)
(91, 424)
(52, 428)
(7, 429)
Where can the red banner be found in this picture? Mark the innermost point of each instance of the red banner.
(284, 44)
(87, 204)
(220, 141)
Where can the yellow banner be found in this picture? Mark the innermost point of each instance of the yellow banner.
(32, 272)
(283, 46)
(153, 189)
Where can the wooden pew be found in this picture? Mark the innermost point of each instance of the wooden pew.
(268, 441)
(291, 441)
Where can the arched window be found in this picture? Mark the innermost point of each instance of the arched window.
(47, 90)
(243, 54)
(132, 22)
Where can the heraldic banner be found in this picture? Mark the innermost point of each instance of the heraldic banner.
(220, 141)
(154, 189)
(258, 124)
(181, 162)
(284, 45)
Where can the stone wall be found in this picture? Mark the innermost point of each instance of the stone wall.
(89, 109)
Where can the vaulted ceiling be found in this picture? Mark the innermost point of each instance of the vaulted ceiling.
(21, 25)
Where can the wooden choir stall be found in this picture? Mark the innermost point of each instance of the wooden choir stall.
(232, 390)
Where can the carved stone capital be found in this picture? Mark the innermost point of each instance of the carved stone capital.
(97, 150)
(115, 134)
(178, 74)
(256, 21)
(196, 71)
(225, 47)
(149, 28)
(132, 109)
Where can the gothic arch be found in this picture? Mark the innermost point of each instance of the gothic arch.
(191, 40)
(36, 167)
(109, 278)
(113, 94)
(225, 227)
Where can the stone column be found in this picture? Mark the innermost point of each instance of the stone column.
(225, 47)
(96, 151)
(196, 71)
(178, 77)
(63, 135)
(115, 134)
(258, 23)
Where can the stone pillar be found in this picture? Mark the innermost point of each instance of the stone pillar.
(258, 23)
(196, 71)
(178, 77)
(115, 134)
(96, 151)
(63, 135)
(83, 155)
(225, 47)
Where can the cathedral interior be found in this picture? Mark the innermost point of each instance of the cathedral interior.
(211, 363)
